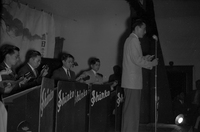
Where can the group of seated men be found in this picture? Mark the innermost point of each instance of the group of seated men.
(27, 76)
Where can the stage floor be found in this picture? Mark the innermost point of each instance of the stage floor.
(161, 128)
(164, 128)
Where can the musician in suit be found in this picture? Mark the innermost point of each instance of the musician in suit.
(33, 60)
(93, 76)
(65, 73)
(133, 62)
(10, 56)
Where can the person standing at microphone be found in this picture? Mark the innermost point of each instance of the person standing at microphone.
(133, 62)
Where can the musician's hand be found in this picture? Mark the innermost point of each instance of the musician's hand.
(8, 88)
(114, 84)
(6, 72)
(83, 78)
(24, 80)
(44, 72)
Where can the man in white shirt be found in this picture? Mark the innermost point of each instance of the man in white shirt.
(92, 75)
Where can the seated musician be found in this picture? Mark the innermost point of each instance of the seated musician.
(32, 62)
(92, 76)
(65, 73)
(10, 56)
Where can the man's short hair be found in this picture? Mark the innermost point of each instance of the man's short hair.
(138, 22)
(7, 49)
(32, 54)
(94, 60)
(65, 56)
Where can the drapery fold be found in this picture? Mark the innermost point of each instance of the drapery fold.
(28, 28)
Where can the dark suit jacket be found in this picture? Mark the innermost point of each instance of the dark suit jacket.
(34, 81)
(60, 74)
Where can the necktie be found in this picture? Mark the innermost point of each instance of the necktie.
(34, 72)
(68, 73)
(13, 75)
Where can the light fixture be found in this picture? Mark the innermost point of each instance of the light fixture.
(179, 119)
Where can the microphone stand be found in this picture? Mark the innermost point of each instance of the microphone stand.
(156, 98)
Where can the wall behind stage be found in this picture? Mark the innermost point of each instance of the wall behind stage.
(179, 32)
(91, 28)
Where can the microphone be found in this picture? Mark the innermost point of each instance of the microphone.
(155, 37)
(86, 78)
(45, 67)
